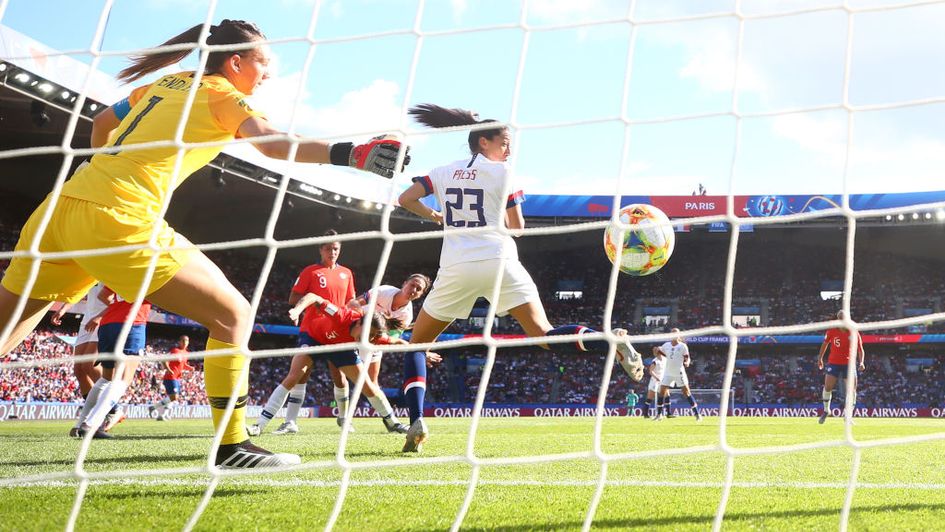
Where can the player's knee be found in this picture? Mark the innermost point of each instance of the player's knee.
(235, 315)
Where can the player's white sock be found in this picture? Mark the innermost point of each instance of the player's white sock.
(380, 405)
(166, 410)
(827, 397)
(852, 402)
(275, 402)
(90, 400)
(296, 397)
(341, 399)
(107, 399)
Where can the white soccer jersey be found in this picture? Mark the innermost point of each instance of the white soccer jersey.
(473, 192)
(93, 307)
(385, 301)
(675, 356)
(659, 364)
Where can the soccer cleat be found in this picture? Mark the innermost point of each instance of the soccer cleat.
(628, 357)
(822, 418)
(151, 410)
(394, 426)
(245, 455)
(416, 436)
(341, 423)
(74, 432)
(670, 415)
(160, 418)
(289, 427)
(113, 419)
(253, 430)
(98, 435)
(659, 417)
(698, 417)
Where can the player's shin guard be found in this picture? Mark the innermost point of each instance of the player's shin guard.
(581, 345)
(380, 405)
(341, 399)
(273, 404)
(224, 375)
(296, 397)
(415, 383)
(692, 404)
(91, 399)
(827, 397)
(108, 397)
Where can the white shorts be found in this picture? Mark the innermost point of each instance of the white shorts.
(675, 379)
(457, 288)
(654, 385)
(371, 356)
(85, 336)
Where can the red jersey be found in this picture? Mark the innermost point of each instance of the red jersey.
(840, 349)
(178, 366)
(118, 311)
(335, 285)
(333, 325)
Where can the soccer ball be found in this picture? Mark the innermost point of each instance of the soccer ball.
(647, 248)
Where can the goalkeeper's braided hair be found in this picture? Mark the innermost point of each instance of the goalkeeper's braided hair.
(432, 115)
(226, 32)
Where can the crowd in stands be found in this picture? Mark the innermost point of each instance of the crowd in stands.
(519, 375)
(691, 287)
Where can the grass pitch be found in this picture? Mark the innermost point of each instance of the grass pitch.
(902, 487)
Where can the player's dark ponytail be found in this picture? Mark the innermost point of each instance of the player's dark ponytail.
(227, 32)
(432, 115)
(378, 323)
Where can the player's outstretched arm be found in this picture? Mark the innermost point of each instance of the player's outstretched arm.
(378, 156)
(861, 353)
(304, 302)
(102, 126)
(56, 318)
(820, 357)
(410, 200)
(514, 219)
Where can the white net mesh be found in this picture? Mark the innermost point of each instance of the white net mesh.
(596, 452)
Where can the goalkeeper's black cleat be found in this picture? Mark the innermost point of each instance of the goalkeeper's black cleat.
(822, 418)
(245, 455)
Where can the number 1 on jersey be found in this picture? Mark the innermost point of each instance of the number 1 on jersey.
(154, 100)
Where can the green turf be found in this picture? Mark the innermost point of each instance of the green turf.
(769, 494)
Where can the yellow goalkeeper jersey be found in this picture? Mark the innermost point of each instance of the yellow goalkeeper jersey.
(136, 181)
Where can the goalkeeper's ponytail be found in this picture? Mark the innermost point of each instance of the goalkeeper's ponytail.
(227, 32)
(432, 115)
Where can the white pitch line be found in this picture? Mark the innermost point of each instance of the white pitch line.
(295, 483)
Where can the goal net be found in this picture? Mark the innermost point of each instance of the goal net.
(727, 59)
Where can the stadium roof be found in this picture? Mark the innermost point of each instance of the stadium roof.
(34, 112)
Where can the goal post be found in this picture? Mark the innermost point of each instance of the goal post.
(721, 399)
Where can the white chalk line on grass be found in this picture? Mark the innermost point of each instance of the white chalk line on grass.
(302, 483)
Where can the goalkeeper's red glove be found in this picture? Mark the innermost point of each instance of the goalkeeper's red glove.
(379, 155)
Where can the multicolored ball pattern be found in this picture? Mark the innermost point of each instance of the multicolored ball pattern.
(646, 248)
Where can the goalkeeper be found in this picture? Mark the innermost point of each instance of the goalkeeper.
(116, 201)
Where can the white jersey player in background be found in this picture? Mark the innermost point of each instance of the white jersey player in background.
(479, 191)
(86, 342)
(674, 376)
(655, 369)
(396, 306)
